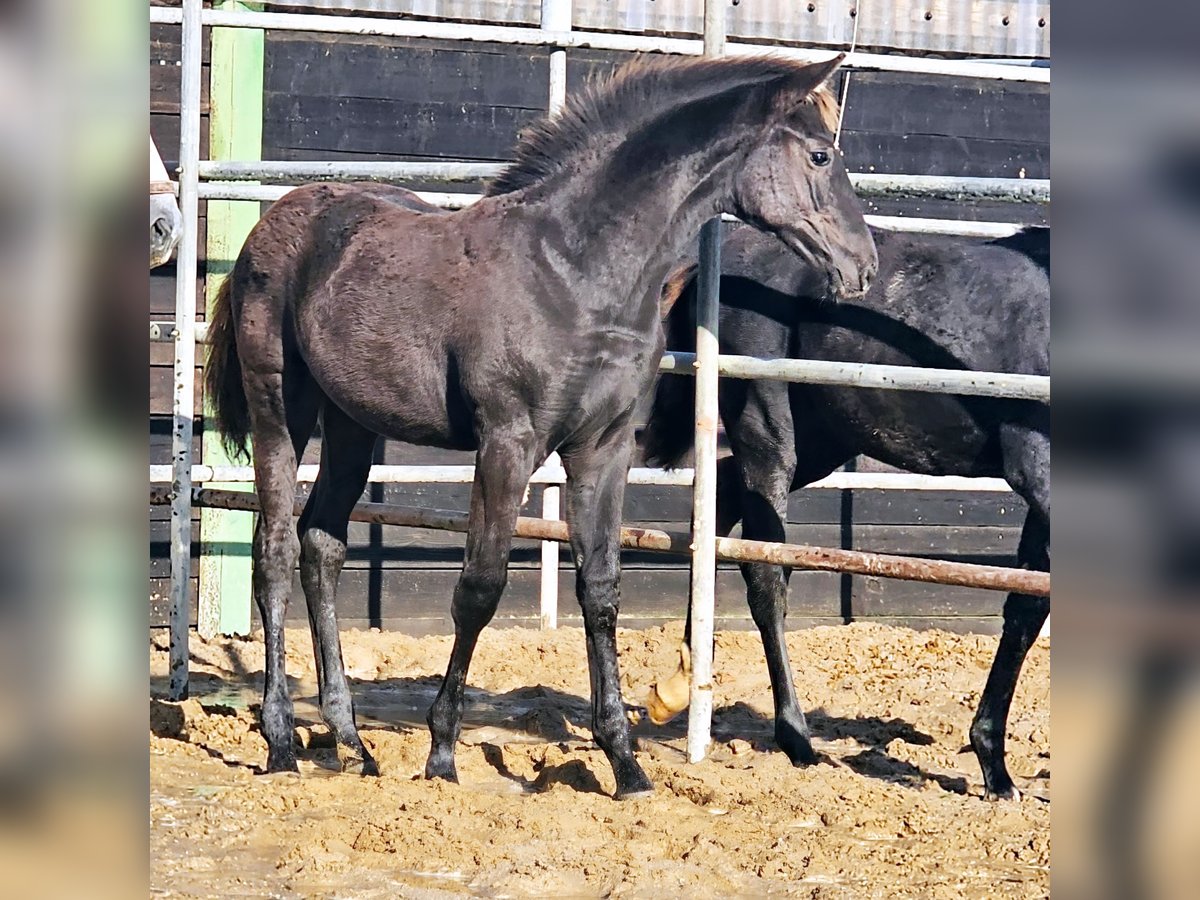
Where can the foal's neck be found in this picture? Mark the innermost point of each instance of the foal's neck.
(628, 217)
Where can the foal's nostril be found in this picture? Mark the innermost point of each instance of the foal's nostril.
(160, 230)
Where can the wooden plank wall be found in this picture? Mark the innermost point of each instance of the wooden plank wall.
(369, 98)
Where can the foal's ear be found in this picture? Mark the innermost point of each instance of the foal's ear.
(816, 74)
(807, 86)
(800, 86)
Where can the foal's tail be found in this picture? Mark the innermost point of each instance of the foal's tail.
(223, 376)
(670, 433)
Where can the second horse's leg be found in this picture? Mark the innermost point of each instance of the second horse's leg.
(764, 442)
(1027, 468)
(595, 491)
(502, 469)
(1024, 616)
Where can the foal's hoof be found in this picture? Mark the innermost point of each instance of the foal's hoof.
(798, 747)
(359, 762)
(441, 770)
(1008, 792)
(633, 784)
(283, 761)
(647, 791)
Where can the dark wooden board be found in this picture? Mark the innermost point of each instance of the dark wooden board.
(659, 594)
(423, 99)
(936, 154)
(901, 103)
(455, 130)
(363, 66)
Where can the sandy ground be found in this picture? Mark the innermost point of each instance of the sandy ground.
(896, 812)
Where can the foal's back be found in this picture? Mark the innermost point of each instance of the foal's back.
(368, 286)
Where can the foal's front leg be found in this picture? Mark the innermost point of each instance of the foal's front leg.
(502, 469)
(595, 491)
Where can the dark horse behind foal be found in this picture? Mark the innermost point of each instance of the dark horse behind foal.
(525, 324)
(939, 302)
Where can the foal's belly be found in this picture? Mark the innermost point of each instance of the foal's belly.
(409, 395)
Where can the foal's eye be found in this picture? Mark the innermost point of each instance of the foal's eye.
(820, 157)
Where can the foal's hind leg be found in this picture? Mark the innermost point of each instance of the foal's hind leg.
(346, 453)
(594, 494)
(1027, 467)
(502, 468)
(275, 545)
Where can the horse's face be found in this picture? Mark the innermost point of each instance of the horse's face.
(794, 185)
(166, 228)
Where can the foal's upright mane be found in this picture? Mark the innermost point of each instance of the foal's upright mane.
(636, 94)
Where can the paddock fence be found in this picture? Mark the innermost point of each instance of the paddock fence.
(253, 180)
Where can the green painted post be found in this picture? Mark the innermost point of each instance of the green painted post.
(235, 133)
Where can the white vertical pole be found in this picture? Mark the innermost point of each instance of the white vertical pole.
(185, 349)
(704, 489)
(551, 496)
(556, 16)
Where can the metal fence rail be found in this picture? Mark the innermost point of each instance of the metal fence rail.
(554, 475)
(578, 40)
(867, 184)
(227, 182)
(798, 556)
(270, 192)
(962, 382)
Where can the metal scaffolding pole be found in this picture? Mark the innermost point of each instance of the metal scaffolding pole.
(183, 407)
(556, 16)
(704, 487)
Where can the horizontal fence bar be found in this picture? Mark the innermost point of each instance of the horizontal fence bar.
(1014, 386)
(797, 556)
(869, 375)
(959, 227)
(867, 184)
(225, 190)
(537, 37)
(268, 193)
(951, 187)
(843, 481)
(304, 170)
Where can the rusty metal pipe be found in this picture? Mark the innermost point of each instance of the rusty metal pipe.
(798, 556)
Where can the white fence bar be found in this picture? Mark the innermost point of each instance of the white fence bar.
(868, 375)
(224, 177)
(704, 484)
(551, 474)
(1014, 386)
(183, 405)
(568, 40)
(867, 184)
(952, 187)
(960, 227)
(270, 192)
(338, 170)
